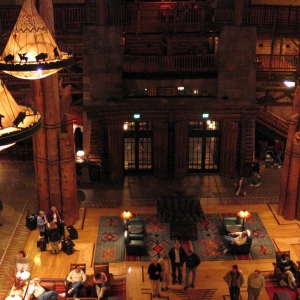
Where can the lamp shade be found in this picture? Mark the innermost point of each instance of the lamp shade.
(126, 215)
(16, 122)
(31, 52)
(244, 214)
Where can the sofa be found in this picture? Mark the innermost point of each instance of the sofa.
(179, 208)
(134, 238)
(54, 284)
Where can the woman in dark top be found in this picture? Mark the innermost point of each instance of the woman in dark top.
(54, 237)
(154, 271)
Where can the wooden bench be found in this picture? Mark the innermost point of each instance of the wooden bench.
(281, 296)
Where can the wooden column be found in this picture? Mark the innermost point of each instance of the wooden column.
(290, 210)
(293, 123)
(238, 12)
(40, 150)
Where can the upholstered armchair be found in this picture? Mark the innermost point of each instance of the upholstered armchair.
(242, 249)
(232, 224)
(278, 274)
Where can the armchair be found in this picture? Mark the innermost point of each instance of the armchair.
(82, 292)
(134, 237)
(232, 224)
(242, 249)
(281, 276)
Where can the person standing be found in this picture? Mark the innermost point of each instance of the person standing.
(154, 271)
(77, 277)
(241, 186)
(256, 282)
(54, 237)
(278, 148)
(1, 209)
(100, 280)
(56, 217)
(42, 222)
(177, 256)
(255, 177)
(166, 271)
(192, 261)
(234, 279)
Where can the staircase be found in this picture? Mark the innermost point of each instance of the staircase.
(273, 123)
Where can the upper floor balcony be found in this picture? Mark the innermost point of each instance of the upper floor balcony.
(159, 16)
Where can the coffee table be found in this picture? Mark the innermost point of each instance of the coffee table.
(183, 231)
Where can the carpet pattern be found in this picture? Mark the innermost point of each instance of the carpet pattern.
(209, 245)
(191, 294)
(273, 287)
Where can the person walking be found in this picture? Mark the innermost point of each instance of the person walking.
(255, 177)
(154, 271)
(166, 271)
(177, 256)
(1, 209)
(256, 282)
(192, 261)
(234, 279)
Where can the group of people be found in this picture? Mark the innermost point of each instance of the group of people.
(76, 278)
(51, 228)
(235, 279)
(160, 269)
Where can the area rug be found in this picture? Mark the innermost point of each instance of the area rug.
(192, 294)
(273, 287)
(110, 242)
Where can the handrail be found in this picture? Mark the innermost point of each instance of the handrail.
(172, 63)
(65, 16)
(272, 121)
(276, 62)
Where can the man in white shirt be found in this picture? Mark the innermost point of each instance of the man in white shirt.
(239, 239)
(77, 277)
(40, 293)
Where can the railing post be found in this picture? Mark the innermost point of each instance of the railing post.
(139, 21)
(101, 13)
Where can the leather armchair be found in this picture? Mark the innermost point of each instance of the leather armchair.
(278, 274)
(242, 249)
(232, 224)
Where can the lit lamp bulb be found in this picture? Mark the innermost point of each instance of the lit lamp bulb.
(80, 156)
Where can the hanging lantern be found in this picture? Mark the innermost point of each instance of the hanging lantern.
(16, 122)
(31, 52)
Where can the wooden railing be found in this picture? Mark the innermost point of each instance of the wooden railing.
(272, 121)
(172, 63)
(68, 18)
(276, 62)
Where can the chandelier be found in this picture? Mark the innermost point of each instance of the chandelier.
(31, 51)
(17, 122)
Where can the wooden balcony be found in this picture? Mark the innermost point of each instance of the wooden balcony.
(154, 17)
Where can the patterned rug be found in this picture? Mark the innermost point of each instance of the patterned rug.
(110, 243)
(192, 294)
(273, 287)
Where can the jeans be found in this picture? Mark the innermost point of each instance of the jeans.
(174, 267)
(234, 292)
(48, 295)
(188, 271)
(154, 286)
(253, 293)
(76, 286)
(229, 240)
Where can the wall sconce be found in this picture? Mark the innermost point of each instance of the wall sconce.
(31, 52)
(244, 214)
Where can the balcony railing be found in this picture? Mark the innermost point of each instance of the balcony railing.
(276, 62)
(169, 64)
(68, 18)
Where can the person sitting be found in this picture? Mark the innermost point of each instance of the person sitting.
(100, 280)
(22, 262)
(238, 238)
(77, 277)
(287, 267)
(37, 291)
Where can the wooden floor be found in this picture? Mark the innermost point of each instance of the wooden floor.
(286, 236)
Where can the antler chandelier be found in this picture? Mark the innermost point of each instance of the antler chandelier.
(31, 52)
